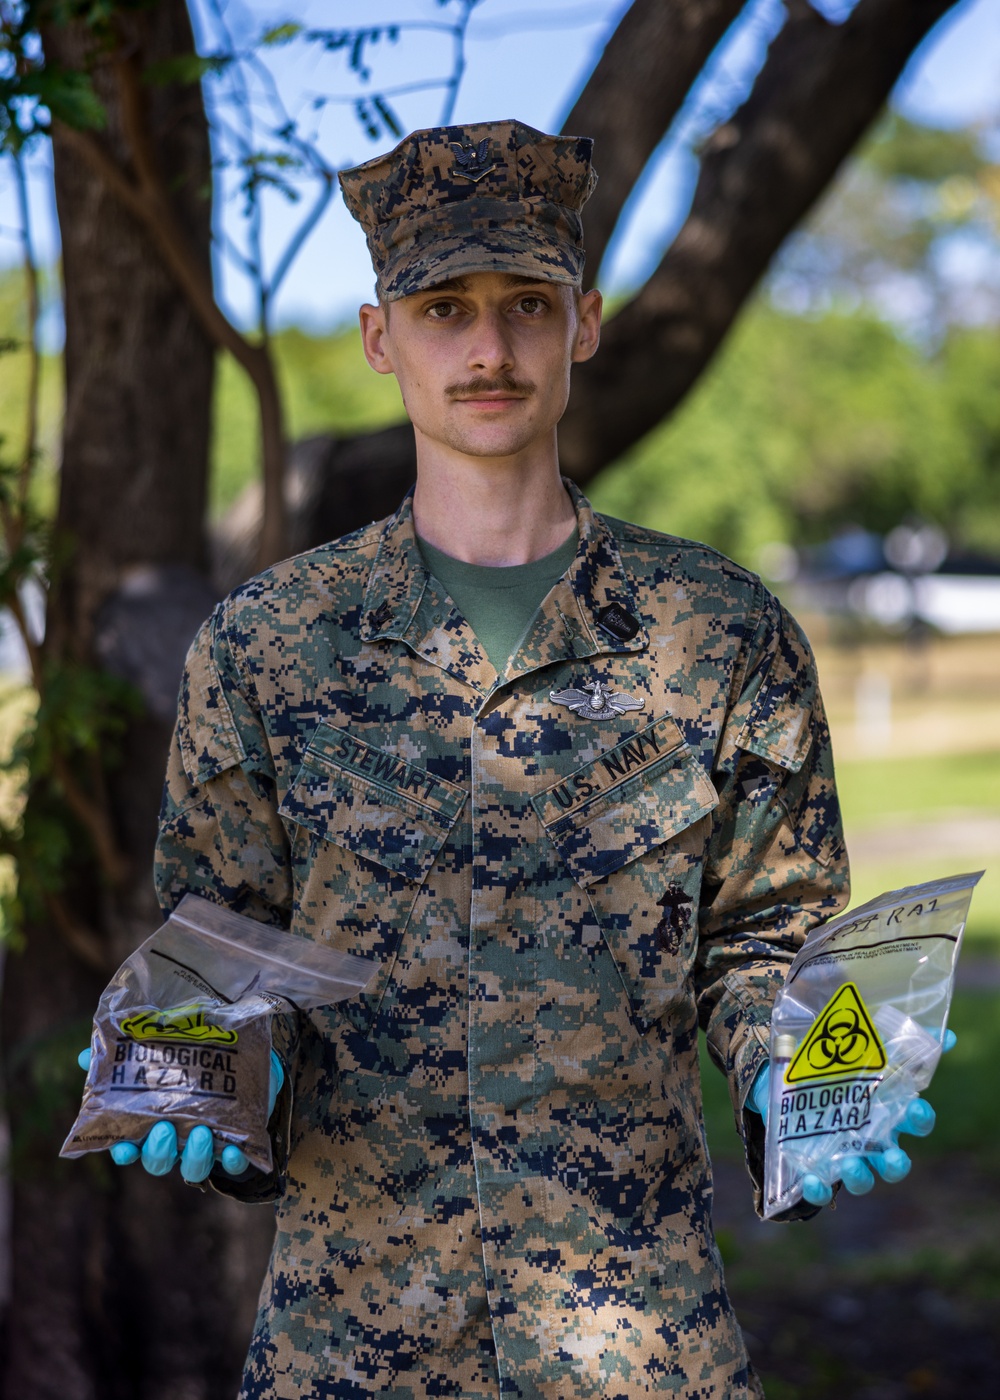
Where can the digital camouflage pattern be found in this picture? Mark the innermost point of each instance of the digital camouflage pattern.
(491, 197)
(495, 1180)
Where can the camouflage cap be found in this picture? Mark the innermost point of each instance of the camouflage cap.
(491, 197)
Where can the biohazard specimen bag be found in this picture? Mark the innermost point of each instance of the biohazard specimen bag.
(183, 1029)
(856, 1031)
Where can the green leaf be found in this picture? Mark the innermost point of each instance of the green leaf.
(186, 69)
(281, 34)
(281, 160)
(905, 150)
(70, 97)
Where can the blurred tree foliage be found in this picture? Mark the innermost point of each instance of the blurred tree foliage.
(804, 425)
(14, 373)
(327, 387)
(861, 386)
(911, 229)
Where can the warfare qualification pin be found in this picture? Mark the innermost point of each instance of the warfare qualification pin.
(595, 701)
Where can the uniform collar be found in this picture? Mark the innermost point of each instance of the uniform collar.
(398, 579)
(403, 602)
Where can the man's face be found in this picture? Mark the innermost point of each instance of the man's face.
(483, 361)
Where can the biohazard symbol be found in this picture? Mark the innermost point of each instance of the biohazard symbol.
(180, 1023)
(842, 1040)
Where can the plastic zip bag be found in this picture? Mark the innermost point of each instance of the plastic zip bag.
(856, 1031)
(183, 1029)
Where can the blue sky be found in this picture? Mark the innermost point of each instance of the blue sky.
(525, 60)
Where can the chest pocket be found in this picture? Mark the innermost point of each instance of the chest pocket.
(629, 827)
(366, 830)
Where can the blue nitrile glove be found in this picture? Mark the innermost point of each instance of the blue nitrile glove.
(856, 1172)
(159, 1151)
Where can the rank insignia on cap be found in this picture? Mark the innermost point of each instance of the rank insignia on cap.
(617, 622)
(471, 159)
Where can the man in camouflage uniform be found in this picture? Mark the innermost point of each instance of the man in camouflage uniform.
(491, 1176)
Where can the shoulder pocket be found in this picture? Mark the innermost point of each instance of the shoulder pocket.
(209, 740)
(790, 735)
(782, 736)
(628, 801)
(778, 727)
(372, 803)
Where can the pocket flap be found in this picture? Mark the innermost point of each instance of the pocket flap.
(781, 735)
(373, 803)
(625, 802)
(779, 725)
(209, 740)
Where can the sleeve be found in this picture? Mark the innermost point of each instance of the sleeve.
(777, 864)
(220, 835)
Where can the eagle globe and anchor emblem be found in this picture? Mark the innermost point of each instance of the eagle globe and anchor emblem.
(596, 700)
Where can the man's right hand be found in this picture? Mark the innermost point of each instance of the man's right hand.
(159, 1149)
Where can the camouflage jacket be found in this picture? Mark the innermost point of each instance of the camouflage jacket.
(492, 1176)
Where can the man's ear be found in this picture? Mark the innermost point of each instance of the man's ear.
(374, 337)
(588, 330)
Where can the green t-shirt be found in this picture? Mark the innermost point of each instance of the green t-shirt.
(499, 603)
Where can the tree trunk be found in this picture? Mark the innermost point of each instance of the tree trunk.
(122, 1285)
(631, 98)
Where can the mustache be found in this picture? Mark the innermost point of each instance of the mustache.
(503, 383)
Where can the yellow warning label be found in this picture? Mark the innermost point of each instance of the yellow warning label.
(841, 1041)
(180, 1023)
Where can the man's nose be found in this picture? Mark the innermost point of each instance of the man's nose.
(490, 349)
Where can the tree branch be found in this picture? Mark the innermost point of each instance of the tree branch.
(16, 609)
(81, 940)
(95, 820)
(635, 91)
(820, 88)
(16, 526)
(302, 232)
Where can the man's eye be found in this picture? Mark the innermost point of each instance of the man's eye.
(531, 305)
(441, 310)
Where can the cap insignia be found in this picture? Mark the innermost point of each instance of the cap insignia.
(470, 159)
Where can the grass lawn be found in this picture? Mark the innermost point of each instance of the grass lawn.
(929, 799)
(874, 791)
